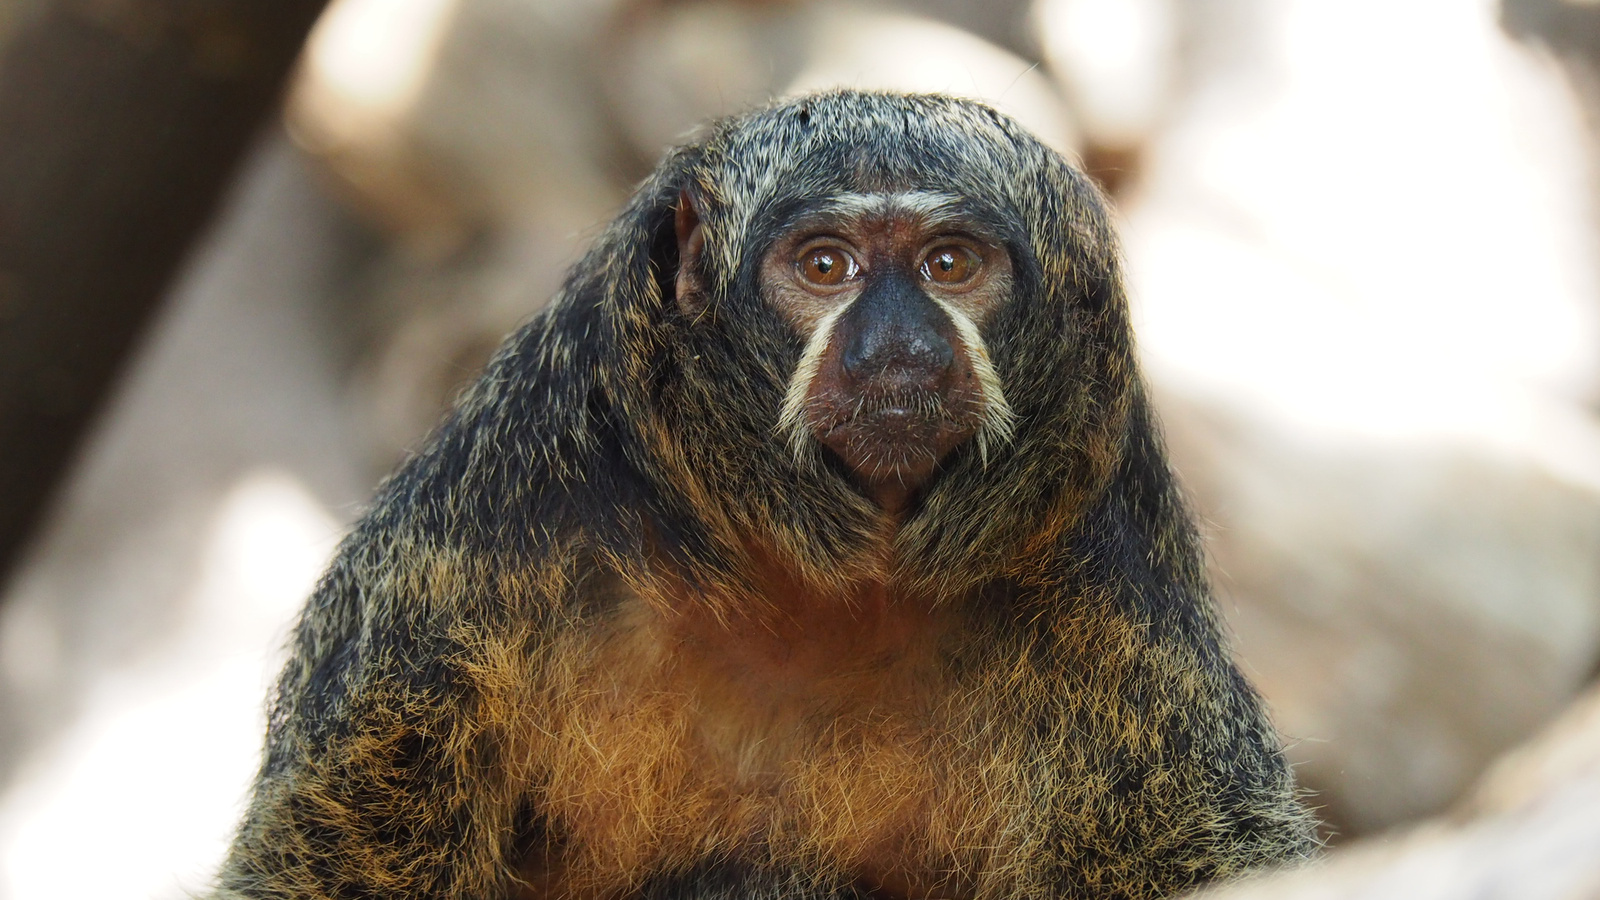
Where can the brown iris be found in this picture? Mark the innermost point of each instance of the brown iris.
(950, 265)
(826, 266)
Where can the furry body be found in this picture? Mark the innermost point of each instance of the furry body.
(617, 632)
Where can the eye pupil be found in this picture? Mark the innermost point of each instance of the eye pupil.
(825, 266)
(950, 265)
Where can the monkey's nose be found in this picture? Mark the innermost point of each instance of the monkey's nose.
(915, 356)
(892, 337)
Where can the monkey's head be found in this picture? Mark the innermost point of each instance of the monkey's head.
(855, 321)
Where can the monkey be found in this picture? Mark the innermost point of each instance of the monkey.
(815, 541)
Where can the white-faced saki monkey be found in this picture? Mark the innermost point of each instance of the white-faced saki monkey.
(816, 541)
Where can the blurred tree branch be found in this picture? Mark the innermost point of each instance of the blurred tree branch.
(121, 122)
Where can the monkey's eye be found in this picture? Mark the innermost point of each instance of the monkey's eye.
(950, 265)
(826, 266)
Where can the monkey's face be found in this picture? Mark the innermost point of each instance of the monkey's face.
(889, 292)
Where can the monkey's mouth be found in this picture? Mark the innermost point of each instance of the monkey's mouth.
(898, 436)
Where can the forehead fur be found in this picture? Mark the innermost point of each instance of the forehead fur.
(848, 144)
(931, 208)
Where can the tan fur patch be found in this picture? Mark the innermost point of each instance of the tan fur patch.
(822, 735)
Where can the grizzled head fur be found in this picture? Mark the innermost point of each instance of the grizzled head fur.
(695, 395)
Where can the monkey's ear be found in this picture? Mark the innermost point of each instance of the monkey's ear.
(690, 284)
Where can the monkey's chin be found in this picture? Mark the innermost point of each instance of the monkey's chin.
(892, 453)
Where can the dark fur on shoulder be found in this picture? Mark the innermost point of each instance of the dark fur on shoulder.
(486, 694)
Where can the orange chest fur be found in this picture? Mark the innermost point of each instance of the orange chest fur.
(810, 734)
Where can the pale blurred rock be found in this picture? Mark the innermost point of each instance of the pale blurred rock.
(1531, 831)
(682, 64)
(444, 117)
(1409, 613)
(1116, 60)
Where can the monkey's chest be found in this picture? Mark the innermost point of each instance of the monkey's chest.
(845, 744)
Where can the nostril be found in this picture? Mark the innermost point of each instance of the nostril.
(853, 358)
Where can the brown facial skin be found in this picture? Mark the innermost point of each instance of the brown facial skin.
(876, 287)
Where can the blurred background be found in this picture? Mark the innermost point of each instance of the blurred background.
(1361, 240)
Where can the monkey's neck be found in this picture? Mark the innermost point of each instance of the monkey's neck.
(784, 633)
(800, 641)
(894, 498)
